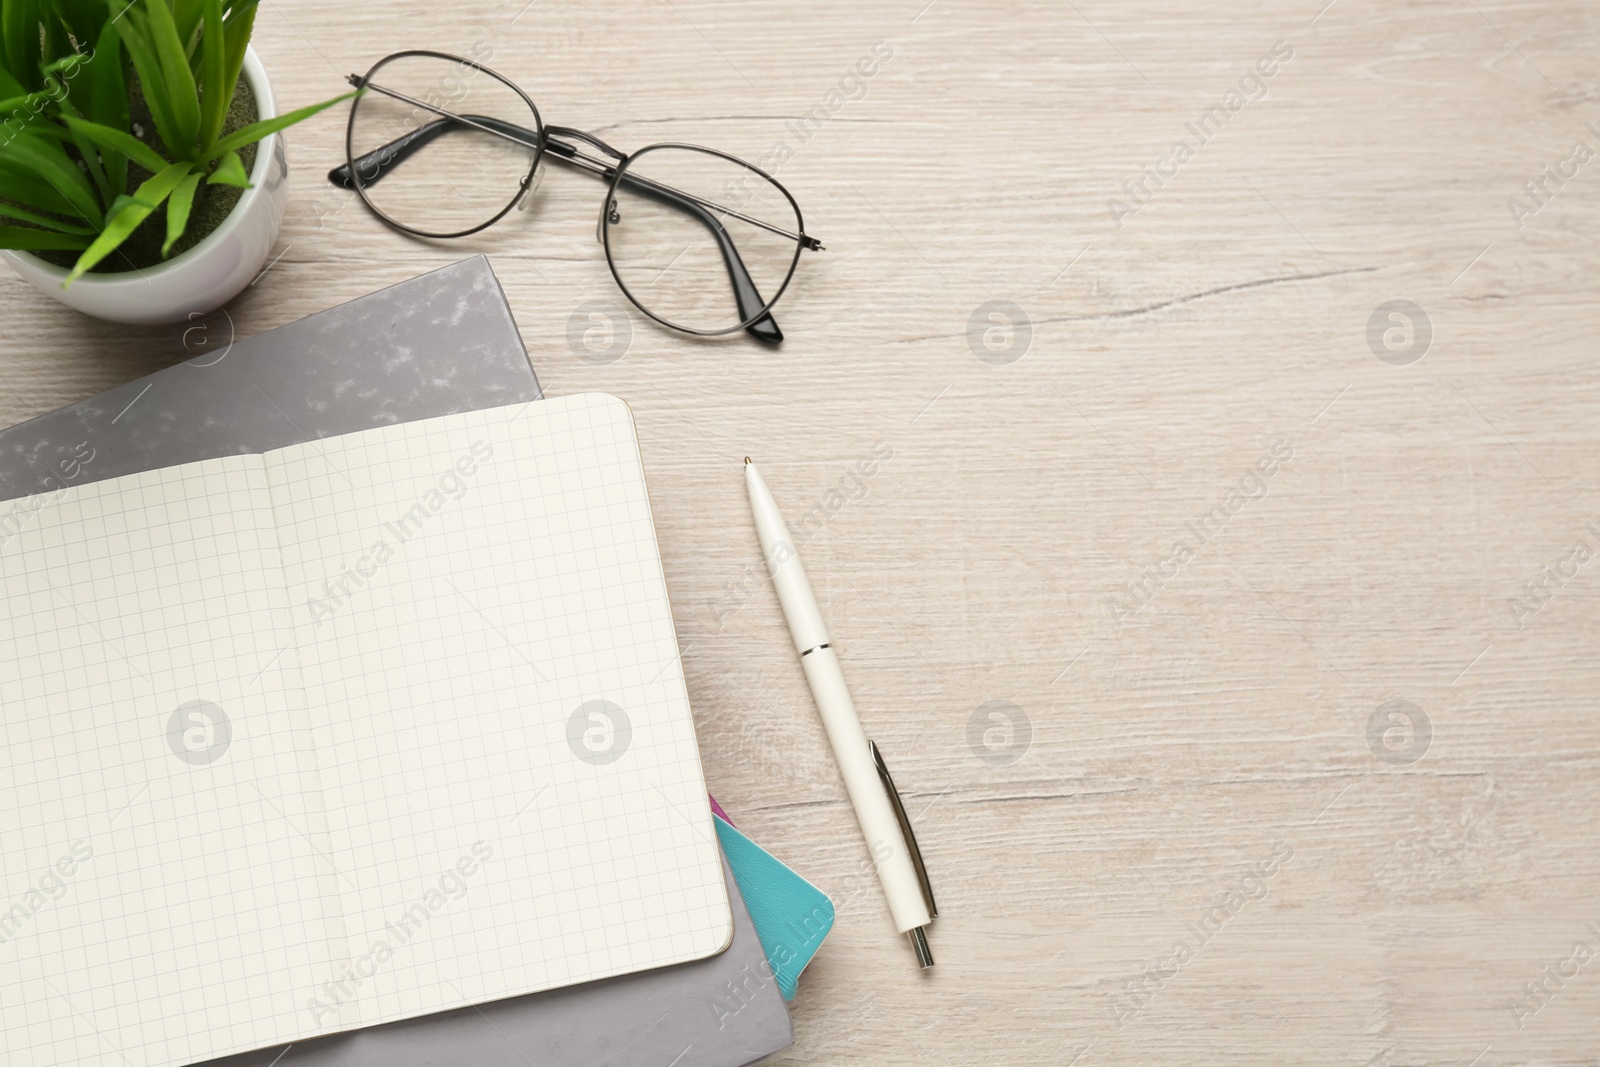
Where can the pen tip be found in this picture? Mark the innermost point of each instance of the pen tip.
(747, 461)
(919, 943)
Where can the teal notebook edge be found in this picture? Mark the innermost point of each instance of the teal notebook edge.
(791, 916)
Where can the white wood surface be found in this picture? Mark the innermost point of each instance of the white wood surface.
(1226, 721)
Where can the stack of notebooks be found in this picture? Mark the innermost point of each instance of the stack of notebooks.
(344, 723)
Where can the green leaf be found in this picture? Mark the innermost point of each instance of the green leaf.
(125, 201)
(126, 214)
(117, 141)
(42, 127)
(91, 166)
(257, 130)
(30, 112)
(24, 239)
(105, 92)
(19, 25)
(182, 97)
(236, 27)
(187, 14)
(151, 80)
(49, 162)
(216, 92)
(11, 211)
(11, 105)
(52, 37)
(73, 50)
(82, 18)
(107, 88)
(9, 86)
(178, 210)
(13, 16)
(59, 77)
(230, 171)
(24, 187)
(64, 67)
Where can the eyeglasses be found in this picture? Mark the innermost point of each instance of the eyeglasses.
(439, 146)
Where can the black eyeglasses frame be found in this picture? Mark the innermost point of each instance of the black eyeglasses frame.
(359, 172)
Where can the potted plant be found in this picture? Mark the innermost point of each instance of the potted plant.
(141, 171)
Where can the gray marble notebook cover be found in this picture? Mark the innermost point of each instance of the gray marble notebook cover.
(434, 345)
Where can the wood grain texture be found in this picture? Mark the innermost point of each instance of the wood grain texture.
(1225, 722)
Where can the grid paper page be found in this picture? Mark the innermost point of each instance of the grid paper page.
(513, 787)
(163, 861)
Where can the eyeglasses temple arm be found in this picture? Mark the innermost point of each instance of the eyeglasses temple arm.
(745, 294)
(381, 160)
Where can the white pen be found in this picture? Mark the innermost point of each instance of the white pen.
(878, 809)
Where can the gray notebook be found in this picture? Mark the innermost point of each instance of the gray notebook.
(435, 345)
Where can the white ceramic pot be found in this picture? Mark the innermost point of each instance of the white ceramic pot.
(207, 275)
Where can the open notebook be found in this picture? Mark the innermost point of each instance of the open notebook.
(349, 732)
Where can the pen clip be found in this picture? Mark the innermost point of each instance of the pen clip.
(905, 830)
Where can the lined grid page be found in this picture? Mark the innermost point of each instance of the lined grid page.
(157, 905)
(513, 787)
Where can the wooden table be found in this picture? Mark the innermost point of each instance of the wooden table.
(1210, 764)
